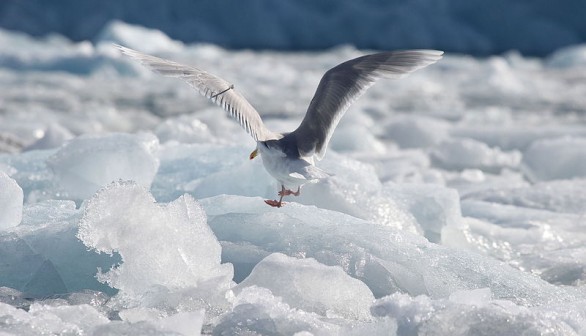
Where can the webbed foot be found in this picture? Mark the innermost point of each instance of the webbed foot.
(275, 203)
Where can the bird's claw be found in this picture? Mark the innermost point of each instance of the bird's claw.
(274, 203)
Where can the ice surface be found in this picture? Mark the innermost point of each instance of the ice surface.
(183, 323)
(461, 154)
(456, 198)
(369, 252)
(474, 312)
(42, 256)
(198, 169)
(193, 253)
(410, 132)
(53, 137)
(556, 159)
(313, 287)
(545, 243)
(85, 164)
(565, 196)
(84, 319)
(11, 198)
(433, 207)
(73, 320)
(257, 310)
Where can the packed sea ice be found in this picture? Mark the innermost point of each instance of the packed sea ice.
(128, 204)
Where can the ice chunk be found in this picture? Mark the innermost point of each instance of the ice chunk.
(10, 143)
(558, 196)
(184, 323)
(185, 129)
(545, 243)
(405, 166)
(139, 328)
(31, 173)
(7, 169)
(11, 199)
(42, 256)
(308, 285)
(209, 170)
(385, 259)
(87, 163)
(470, 182)
(50, 228)
(355, 189)
(52, 53)
(13, 297)
(568, 57)
(19, 261)
(416, 132)
(476, 297)
(474, 313)
(499, 76)
(89, 297)
(53, 136)
(569, 162)
(460, 154)
(257, 311)
(85, 317)
(516, 137)
(45, 319)
(161, 245)
(137, 37)
(45, 281)
(356, 138)
(433, 207)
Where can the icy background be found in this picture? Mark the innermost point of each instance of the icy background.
(128, 204)
(479, 27)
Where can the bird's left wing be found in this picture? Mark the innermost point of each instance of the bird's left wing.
(212, 87)
(343, 84)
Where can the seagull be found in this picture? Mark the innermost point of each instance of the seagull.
(290, 157)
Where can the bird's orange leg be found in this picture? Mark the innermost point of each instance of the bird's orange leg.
(279, 203)
(287, 192)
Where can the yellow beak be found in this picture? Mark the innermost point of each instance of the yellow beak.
(253, 154)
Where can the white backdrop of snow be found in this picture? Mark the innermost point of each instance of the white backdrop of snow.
(456, 205)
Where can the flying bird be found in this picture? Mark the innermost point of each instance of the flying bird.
(290, 157)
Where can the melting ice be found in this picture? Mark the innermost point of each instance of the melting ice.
(128, 204)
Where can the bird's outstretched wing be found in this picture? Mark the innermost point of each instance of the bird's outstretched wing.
(343, 84)
(212, 87)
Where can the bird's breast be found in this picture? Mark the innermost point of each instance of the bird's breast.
(280, 166)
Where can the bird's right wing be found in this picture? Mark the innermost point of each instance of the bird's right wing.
(343, 84)
(212, 87)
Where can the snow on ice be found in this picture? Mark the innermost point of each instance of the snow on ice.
(128, 204)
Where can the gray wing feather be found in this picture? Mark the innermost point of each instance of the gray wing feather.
(212, 87)
(343, 84)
